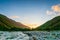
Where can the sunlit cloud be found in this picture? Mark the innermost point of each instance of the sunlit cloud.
(56, 8)
(14, 17)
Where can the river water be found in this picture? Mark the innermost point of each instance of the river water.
(30, 35)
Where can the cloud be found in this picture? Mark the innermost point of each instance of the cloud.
(56, 8)
(49, 12)
(14, 17)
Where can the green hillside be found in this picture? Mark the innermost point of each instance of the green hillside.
(7, 24)
(53, 24)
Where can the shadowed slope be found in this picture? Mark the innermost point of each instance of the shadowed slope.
(9, 24)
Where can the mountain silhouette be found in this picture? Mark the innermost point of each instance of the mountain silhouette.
(53, 24)
(7, 24)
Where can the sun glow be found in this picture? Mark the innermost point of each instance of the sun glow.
(32, 25)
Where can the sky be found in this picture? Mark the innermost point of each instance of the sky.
(32, 13)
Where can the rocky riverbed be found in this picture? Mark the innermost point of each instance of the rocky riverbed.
(30, 35)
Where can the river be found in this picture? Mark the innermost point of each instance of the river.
(30, 35)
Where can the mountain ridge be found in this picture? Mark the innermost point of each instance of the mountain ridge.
(8, 23)
(53, 24)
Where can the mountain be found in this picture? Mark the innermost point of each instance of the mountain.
(53, 24)
(7, 24)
